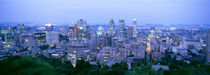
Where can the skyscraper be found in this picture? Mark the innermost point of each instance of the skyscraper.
(12, 29)
(20, 28)
(100, 31)
(81, 29)
(152, 32)
(130, 32)
(150, 39)
(208, 46)
(121, 28)
(72, 30)
(134, 28)
(82, 24)
(148, 49)
(111, 27)
(125, 32)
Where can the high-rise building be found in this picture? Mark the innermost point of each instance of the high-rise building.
(111, 27)
(72, 30)
(52, 37)
(152, 32)
(134, 28)
(100, 31)
(81, 29)
(138, 49)
(20, 28)
(82, 24)
(5, 32)
(149, 46)
(27, 40)
(121, 28)
(12, 29)
(40, 37)
(93, 40)
(208, 46)
(125, 33)
(130, 32)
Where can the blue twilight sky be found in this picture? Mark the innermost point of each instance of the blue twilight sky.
(100, 11)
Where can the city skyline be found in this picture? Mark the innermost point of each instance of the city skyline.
(100, 12)
(104, 37)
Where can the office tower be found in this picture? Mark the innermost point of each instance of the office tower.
(52, 37)
(138, 49)
(100, 31)
(152, 32)
(111, 27)
(5, 32)
(134, 28)
(12, 29)
(10, 37)
(81, 29)
(125, 33)
(150, 43)
(72, 30)
(76, 32)
(82, 24)
(27, 40)
(148, 46)
(208, 46)
(40, 37)
(130, 32)
(20, 28)
(121, 28)
(93, 40)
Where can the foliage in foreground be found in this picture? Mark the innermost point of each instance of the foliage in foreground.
(45, 66)
(25, 66)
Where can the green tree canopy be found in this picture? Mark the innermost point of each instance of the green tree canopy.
(25, 66)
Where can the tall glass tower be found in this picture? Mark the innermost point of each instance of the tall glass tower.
(121, 28)
(82, 24)
(111, 27)
(134, 28)
(20, 28)
(81, 29)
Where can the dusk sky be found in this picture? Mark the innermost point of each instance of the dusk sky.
(100, 11)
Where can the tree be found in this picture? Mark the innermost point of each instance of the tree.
(82, 66)
(119, 68)
(25, 66)
(61, 67)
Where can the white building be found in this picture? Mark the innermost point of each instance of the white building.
(179, 50)
(78, 50)
(157, 67)
(108, 56)
(192, 43)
